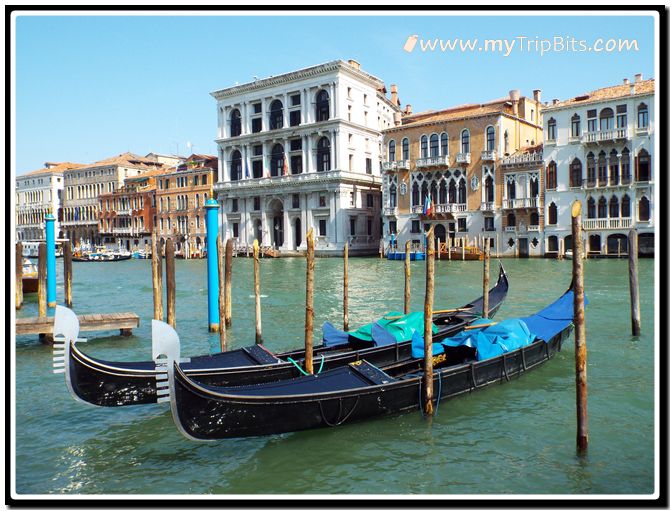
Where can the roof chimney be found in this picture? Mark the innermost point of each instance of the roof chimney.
(394, 94)
(354, 64)
(515, 98)
(638, 77)
(626, 81)
(555, 101)
(537, 95)
(397, 118)
(408, 109)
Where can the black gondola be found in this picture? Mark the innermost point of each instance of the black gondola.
(359, 390)
(105, 383)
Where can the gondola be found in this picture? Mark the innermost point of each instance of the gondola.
(362, 390)
(105, 383)
(102, 257)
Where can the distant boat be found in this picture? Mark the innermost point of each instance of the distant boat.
(101, 257)
(141, 254)
(31, 247)
(568, 254)
(29, 277)
(465, 253)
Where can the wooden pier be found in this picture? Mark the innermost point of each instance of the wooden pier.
(124, 321)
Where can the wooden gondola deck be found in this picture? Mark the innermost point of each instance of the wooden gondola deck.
(124, 321)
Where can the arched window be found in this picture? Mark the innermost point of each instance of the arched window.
(606, 119)
(551, 176)
(511, 220)
(625, 167)
(452, 192)
(434, 193)
(602, 169)
(553, 244)
(323, 155)
(415, 194)
(552, 129)
(489, 189)
(424, 146)
(625, 210)
(276, 160)
(534, 218)
(591, 208)
(511, 188)
(433, 146)
(643, 116)
(392, 150)
(444, 149)
(591, 169)
(575, 126)
(236, 166)
(236, 123)
(465, 141)
(643, 159)
(613, 163)
(552, 214)
(534, 189)
(603, 207)
(644, 209)
(442, 193)
(406, 149)
(392, 196)
(490, 134)
(614, 207)
(461, 199)
(276, 115)
(322, 106)
(576, 173)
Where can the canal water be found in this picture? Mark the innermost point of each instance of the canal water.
(513, 438)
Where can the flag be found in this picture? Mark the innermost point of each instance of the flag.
(285, 169)
(246, 170)
(428, 208)
(76, 214)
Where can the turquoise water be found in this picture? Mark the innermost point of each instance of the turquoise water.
(514, 438)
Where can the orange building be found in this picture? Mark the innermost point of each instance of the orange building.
(180, 199)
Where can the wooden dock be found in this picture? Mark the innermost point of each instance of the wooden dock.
(124, 321)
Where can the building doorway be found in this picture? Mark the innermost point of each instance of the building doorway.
(297, 233)
(439, 232)
(523, 250)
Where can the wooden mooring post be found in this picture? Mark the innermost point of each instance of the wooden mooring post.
(229, 271)
(406, 290)
(428, 325)
(222, 295)
(19, 275)
(582, 436)
(157, 277)
(633, 284)
(257, 294)
(345, 289)
(67, 273)
(309, 301)
(42, 280)
(170, 280)
(485, 283)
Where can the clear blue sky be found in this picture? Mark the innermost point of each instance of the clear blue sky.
(90, 87)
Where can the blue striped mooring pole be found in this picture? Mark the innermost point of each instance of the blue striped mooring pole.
(49, 221)
(212, 226)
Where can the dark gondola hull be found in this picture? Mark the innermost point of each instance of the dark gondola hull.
(105, 383)
(204, 415)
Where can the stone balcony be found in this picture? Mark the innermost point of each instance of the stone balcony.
(396, 165)
(523, 160)
(488, 156)
(487, 206)
(432, 161)
(596, 137)
(527, 202)
(441, 208)
(463, 158)
(592, 224)
(390, 211)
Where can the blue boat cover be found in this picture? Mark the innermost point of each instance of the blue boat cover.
(332, 336)
(510, 334)
(417, 346)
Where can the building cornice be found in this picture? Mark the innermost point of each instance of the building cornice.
(582, 104)
(402, 128)
(300, 74)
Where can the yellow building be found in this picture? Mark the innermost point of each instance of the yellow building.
(454, 158)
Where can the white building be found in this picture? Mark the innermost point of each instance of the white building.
(37, 193)
(598, 149)
(302, 150)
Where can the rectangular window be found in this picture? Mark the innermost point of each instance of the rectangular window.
(295, 100)
(352, 226)
(591, 121)
(575, 127)
(257, 203)
(294, 118)
(257, 169)
(236, 229)
(234, 205)
(414, 227)
(370, 227)
(392, 227)
(296, 164)
(257, 108)
(369, 165)
(296, 144)
(295, 201)
(489, 223)
(322, 201)
(461, 225)
(322, 227)
(203, 179)
(369, 200)
(256, 125)
(257, 150)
